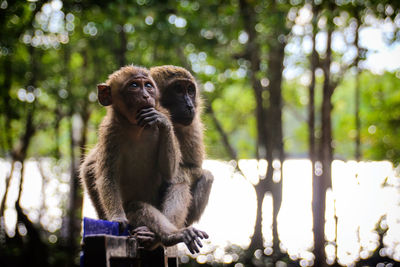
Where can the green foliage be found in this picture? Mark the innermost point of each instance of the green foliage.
(236, 119)
(52, 59)
(380, 105)
(181, 33)
(381, 111)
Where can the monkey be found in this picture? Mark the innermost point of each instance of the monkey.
(136, 151)
(180, 96)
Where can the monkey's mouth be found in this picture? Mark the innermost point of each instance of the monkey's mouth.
(146, 106)
(184, 120)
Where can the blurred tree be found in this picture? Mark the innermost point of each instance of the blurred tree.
(268, 98)
(56, 52)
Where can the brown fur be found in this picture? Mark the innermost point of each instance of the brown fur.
(124, 171)
(190, 141)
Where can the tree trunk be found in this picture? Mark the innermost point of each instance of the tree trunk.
(75, 200)
(253, 55)
(57, 132)
(323, 179)
(7, 186)
(357, 94)
(34, 252)
(275, 134)
(257, 238)
(72, 223)
(311, 139)
(8, 70)
(318, 201)
(314, 60)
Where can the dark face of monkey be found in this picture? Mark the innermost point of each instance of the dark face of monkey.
(130, 92)
(180, 99)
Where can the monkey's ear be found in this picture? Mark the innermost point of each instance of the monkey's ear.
(104, 94)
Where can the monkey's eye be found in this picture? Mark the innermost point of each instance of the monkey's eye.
(148, 85)
(191, 91)
(134, 85)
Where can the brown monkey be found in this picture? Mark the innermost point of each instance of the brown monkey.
(136, 151)
(180, 96)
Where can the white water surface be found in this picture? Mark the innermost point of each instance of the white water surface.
(358, 194)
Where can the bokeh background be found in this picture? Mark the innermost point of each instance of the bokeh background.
(301, 105)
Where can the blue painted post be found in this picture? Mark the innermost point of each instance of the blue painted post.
(104, 246)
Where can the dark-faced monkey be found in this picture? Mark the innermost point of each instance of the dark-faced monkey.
(180, 96)
(136, 152)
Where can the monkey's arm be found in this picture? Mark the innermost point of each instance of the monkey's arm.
(200, 189)
(109, 191)
(169, 154)
(88, 179)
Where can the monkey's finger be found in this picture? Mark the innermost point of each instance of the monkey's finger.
(141, 116)
(190, 247)
(195, 237)
(186, 238)
(189, 242)
(147, 114)
(194, 248)
(146, 111)
(201, 234)
(147, 234)
(151, 121)
(140, 229)
(147, 120)
(198, 243)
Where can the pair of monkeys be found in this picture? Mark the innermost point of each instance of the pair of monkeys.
(146, 169)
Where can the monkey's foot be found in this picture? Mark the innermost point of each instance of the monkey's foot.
(146, 238)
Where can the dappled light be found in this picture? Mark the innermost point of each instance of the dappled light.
(363, 196)
(288, 110)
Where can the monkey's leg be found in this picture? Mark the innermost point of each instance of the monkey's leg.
(144, 214)
(201, 192)
(175, 203)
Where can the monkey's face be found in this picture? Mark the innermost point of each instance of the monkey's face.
(179, 97)
(137, 93)
(129, 95)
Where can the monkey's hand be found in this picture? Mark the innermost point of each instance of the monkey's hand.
(151, 116)
(190, 236)
(146, 238)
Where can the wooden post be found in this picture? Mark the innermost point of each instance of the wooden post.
(104, 246)
(123, 251)
(110, 251)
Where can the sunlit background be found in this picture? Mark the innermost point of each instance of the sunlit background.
(58, 51)
(364, 194)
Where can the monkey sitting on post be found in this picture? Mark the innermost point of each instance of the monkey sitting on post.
(180, 96)
(136, 152)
